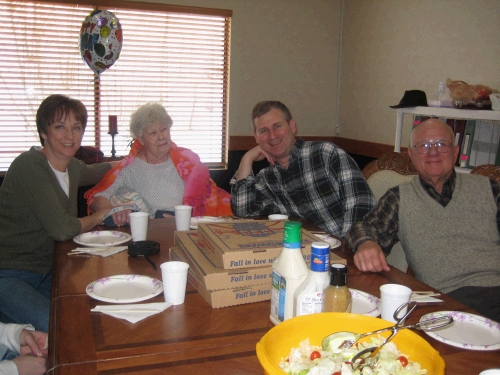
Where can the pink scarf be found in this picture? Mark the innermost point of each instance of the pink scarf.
(200, 192)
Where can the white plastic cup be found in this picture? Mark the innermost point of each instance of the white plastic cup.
(182, 217)
(392, 296)
(174, 276)
(139, 225)
(278, 217)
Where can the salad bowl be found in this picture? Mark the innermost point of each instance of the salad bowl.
(278, 341)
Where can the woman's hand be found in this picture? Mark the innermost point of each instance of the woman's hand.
(29, 365)
(33, 343)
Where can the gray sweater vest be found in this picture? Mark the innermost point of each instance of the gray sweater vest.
(454, 246)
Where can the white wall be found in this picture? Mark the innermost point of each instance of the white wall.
(390, 46)
(283, 50)
(289, 50)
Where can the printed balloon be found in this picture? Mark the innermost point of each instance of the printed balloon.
(101, 40)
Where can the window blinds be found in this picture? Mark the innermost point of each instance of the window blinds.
(179, 58)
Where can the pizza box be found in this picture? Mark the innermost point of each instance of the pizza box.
(226, 297)
(247, 244)
(189, 246)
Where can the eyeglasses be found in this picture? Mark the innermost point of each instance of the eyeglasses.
(425, 146)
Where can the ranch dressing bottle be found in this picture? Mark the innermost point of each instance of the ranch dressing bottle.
(309, 295)
(337, 297)
(289, 270)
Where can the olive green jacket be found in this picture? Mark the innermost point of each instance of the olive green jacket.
(35, 211)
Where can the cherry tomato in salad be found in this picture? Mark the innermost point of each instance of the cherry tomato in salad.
(403, 360)
(315, 355)
(337, 373)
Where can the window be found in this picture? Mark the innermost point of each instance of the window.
(178, 56)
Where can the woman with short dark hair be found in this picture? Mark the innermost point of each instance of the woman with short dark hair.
(38, 206)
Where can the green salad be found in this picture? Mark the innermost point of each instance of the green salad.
(313, 360)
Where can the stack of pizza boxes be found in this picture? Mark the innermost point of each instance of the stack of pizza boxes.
(230, 262)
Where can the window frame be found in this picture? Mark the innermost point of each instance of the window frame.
(101, 123)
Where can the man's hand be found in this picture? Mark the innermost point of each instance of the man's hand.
(29, 365)
(370, 258)
(33, 343)
(253, 155)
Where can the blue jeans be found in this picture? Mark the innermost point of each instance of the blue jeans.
(25, 298)
(6, 354)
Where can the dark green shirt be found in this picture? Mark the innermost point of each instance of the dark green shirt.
(35, 211)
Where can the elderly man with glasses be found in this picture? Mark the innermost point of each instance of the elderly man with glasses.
(448, 224)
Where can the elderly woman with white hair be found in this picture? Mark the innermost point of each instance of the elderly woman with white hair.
(157, 175)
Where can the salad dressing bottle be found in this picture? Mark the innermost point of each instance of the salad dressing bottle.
(337, 297)
(309, 295)
(289, 270)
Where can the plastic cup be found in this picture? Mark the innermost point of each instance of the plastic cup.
(392, 296)
(278, 217)
(139, 225)
(182, 217)
(174, 276)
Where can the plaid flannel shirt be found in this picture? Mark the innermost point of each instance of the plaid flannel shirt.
(381, 224)
(322, 185)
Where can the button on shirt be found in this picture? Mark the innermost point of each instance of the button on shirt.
(322, 185)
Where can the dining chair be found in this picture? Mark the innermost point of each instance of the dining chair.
(391, 169)
(488, 170)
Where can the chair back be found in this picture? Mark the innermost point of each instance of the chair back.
(488, 170)
(391, 169)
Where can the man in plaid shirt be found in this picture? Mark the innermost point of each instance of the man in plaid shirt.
(316, 181)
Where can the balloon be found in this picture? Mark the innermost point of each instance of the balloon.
(101, 40)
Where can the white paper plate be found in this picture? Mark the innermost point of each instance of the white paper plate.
(333, 242)
(468, 331)
(491, 371)
(364, 303)
(124, 288)
(103, 238)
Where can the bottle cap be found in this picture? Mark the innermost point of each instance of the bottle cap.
(320, 257)
(338, 274)
(320, 248)
(292, 234)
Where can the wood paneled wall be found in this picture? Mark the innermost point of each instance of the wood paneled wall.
(351, 146)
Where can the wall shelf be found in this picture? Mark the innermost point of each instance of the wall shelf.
(475, 114)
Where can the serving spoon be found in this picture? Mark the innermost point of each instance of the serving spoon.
(426, 325)
(339, 341)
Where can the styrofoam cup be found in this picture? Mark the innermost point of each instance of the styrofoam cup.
(392, 296)
(278, 217)
(182, 217)
(139, 225)
(174, 276)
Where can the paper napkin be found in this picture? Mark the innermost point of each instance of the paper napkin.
(133, 313)
(101, 251)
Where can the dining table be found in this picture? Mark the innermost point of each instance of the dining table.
(192, 338)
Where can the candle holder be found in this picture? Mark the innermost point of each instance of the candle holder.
(113, 130)
(113, 151)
